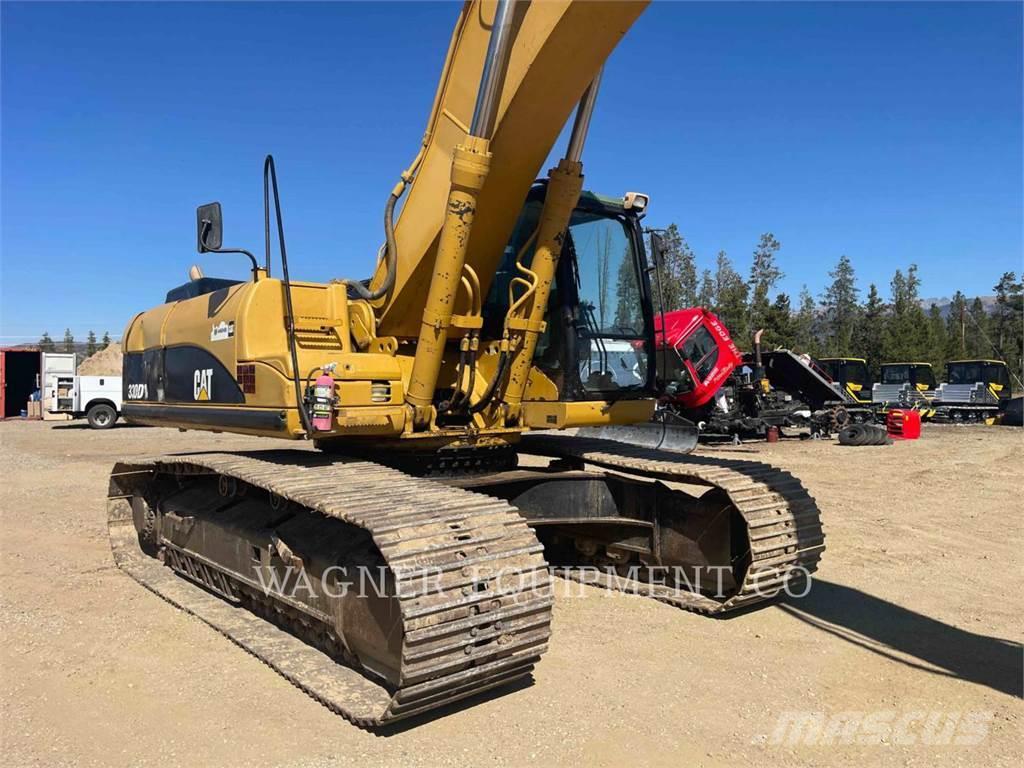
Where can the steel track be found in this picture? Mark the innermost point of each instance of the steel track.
(482, 624)
(782, 519)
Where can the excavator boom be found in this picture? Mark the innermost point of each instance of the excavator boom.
(558, 47)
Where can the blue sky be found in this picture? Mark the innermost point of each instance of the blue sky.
(889, 132)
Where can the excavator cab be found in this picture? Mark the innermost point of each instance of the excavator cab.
(851, 375)
(597, 329)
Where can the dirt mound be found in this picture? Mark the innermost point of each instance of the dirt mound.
(106, 362)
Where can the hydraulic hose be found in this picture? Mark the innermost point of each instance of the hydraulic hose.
(390, 250)
(488, 395)
(461, 396)
(271, 170)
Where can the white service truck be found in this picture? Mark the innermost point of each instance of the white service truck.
(97, 398)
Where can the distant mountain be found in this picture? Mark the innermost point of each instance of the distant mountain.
(945, 302)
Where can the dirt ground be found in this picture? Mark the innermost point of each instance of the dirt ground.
(912, 625)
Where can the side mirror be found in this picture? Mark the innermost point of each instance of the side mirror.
(209, 228)
(657, 248)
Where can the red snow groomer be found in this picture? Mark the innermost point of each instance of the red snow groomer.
(696, 356)
(707, 381)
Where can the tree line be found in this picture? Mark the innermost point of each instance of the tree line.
(838, 322)
(47, 344)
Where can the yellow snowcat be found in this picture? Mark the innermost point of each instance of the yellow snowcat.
(906, 385)
(974, 391)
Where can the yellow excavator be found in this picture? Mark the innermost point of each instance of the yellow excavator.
(405, 564)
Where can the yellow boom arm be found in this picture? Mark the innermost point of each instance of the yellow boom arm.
(558, 47)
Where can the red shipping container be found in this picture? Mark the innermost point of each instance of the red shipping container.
(903, 424)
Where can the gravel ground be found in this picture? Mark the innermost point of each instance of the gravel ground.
(912, 626)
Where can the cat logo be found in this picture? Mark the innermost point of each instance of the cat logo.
(202, 384)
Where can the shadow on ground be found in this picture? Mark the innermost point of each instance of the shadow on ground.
(85, 425)
(896, 633)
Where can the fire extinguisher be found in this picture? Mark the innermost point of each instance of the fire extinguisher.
(321, 400)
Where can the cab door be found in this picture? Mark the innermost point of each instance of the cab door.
(997, 379)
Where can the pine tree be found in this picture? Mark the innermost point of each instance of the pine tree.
(956, 328)
(870, 331)
(779, 324)
(978, 344)
(678, 271)
(840, 305)
(906, 336)
(69, 341)
(938, 339)
(764, 274)
(603, 274)
(804, 330)
(627, 298)
(90, 344)
(706, 294)
(1008, 331)
(731, 300)
(106, 339)
(46, 343)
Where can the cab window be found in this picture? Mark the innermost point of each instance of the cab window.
(831, 368)
(896, 374)
(965, 373)
(673, 372)
(595, 310)
(702, 352)
(856, 373)
(699, 350)
(612, 364)
(997, 375)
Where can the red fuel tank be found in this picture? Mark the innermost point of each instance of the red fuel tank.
(903, 424)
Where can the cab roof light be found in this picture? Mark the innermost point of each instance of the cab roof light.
(635, 201)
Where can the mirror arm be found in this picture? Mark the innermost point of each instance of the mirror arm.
(255, 264)
(206, 224)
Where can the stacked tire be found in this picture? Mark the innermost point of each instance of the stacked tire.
(864, 434)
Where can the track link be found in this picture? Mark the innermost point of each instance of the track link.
(483, 622)
(782, 519)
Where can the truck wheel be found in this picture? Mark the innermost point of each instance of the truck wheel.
(101, 416)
